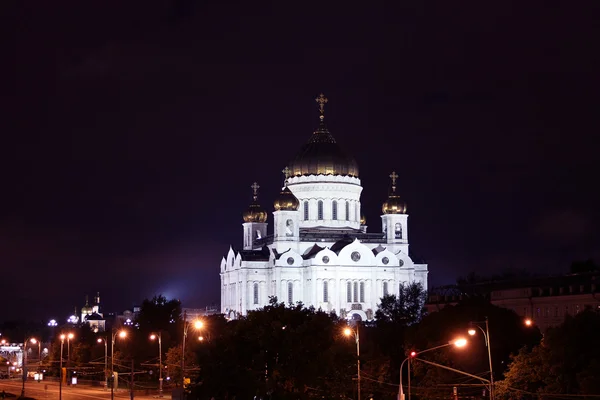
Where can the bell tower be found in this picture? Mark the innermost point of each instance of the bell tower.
(255, 220)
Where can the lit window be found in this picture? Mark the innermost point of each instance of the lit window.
(362, 292)
(347, 211)
(398, 231)
(290, 292)
(349, 292)
(256, 293)
(325, 293)
(334, 210)
(306, 210)
(320, 210)
(385, 288)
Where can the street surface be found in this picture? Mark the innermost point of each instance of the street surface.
(49, 390)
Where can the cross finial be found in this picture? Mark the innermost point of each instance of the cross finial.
(286, 172)
(394, 176)
(322, 100)
(255, 188)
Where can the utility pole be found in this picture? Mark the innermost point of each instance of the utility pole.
(131, 381)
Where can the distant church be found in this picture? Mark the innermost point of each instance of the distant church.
(319, 252)
(92, 316)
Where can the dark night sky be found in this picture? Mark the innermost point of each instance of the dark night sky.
(132, 133)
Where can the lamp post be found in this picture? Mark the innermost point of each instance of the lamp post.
(100, 340)
(34, 341)
(160, 378)
(69, 337)
(60, 375)
(461, 342)
(349, 332)
(121, 334)
(486, 337)
(197, 325)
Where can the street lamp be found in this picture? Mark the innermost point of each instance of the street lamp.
(459, 343)
(349, 332)
(486, 336)
(69, 337)
(198, 325)
(34, 341)
(24, 369)
(528, 322)
(160, 378)
(121, 334)
(62, 343)
(100, 340)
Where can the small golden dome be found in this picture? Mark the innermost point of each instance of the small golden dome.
(286, 201)
(255, 213)
(394, 205)
(363, 220)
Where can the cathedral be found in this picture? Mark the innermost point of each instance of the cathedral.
(319, 251)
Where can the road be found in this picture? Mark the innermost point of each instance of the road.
(49, 391)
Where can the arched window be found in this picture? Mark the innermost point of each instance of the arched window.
(255, 293)
(290, 292)
(385, 288)
(349, 292)
(325, 292)
(334, 210)
(362, 292)
(320, 209)
(398, 230)
(306, 210)
(347, 211)
(356, 292)
(232, 261)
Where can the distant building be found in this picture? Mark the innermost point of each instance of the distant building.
(195, 313)
(92, 315)
(128, 317)
(546, 300)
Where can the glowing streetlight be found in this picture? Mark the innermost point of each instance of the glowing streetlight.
(459, 343)
(33, 341)
(528, 322)
(122, 334)
(486, 336)
(160, 368)
(103, 340)
(198, 325)
(349, 332)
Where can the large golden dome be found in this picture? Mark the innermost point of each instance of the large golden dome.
(322, 155)
(286, 201)
(255, 213)
(394, 205)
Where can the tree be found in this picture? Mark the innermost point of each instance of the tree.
(566, 362)
(405, 309)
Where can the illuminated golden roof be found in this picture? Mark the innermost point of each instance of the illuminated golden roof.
(322, 155)
(255, 213)
(394, 205)
(286, 201)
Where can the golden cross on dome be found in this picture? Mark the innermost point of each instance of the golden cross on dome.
(286, 172)
(255, 188)
(394, 176)
(322, 100)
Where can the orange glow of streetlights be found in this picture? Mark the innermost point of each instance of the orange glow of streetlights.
(63, 337)
(200, 338)
(347, 331)
(198, 324)
(528, 322)
(122, 334)
(472, 332)
(460, 342)
(70, 336)
(153, 337)
(33, 340)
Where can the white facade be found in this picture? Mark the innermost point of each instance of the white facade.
(320, 254)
